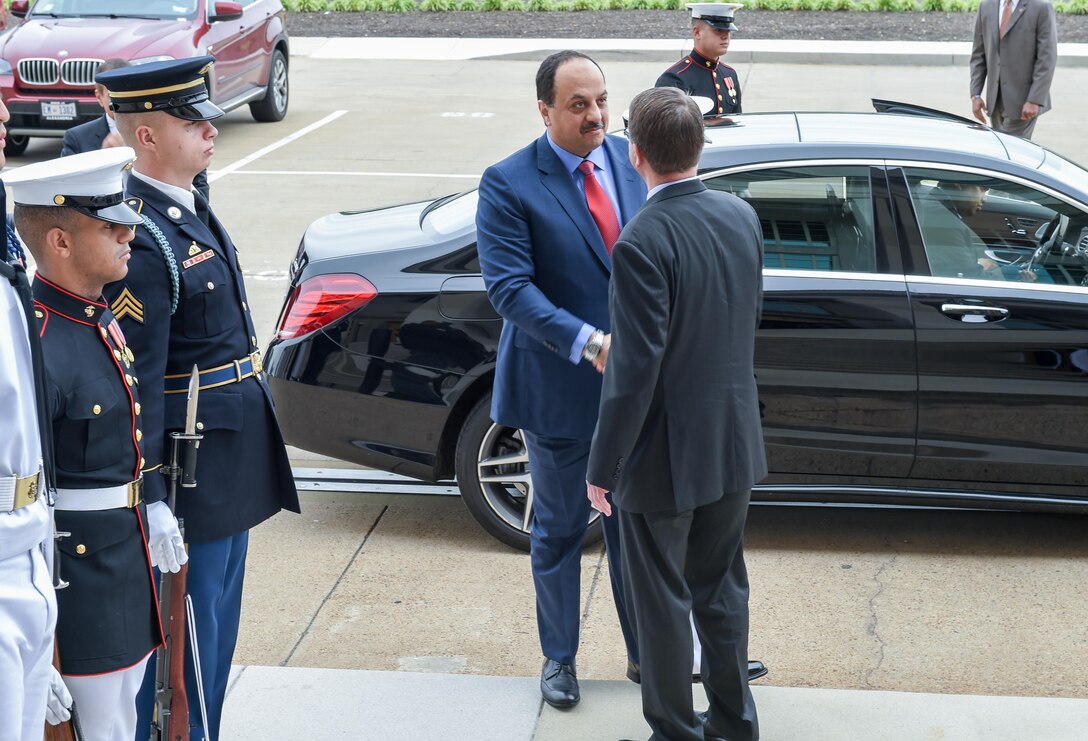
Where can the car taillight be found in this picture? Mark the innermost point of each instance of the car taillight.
(319, 301)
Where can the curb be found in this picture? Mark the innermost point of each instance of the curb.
(743, 51)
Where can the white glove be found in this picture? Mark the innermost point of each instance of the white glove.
(164, 541)
(57, 701)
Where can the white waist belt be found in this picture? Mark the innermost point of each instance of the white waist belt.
(18, 491)
(109, 497)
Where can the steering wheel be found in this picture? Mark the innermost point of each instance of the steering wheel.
(1048, 235)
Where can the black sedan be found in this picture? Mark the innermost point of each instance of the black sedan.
(924, 338)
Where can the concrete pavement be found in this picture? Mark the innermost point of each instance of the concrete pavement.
(286, 704)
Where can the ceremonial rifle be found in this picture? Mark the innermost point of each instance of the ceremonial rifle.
(171, 700)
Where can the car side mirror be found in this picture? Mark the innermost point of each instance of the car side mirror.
(223, 11)
(19, 8)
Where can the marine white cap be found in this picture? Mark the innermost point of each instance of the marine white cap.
(717, 15)
(90, 182)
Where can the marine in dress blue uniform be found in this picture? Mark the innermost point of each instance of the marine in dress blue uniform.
(184, 303)
(28, 608)
(701, 72)
(107, 617)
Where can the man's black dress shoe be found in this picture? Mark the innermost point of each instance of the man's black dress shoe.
(559, 684)
(756, 669)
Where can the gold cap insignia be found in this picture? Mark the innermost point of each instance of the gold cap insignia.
(89, 311)
(59, 200)
(148, 105)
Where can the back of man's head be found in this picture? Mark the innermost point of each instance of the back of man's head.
(667, 127)
(106, 66)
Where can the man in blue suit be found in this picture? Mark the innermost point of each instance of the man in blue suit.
(547, 219)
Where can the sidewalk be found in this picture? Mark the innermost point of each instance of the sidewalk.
(741, 50)
(284, 704)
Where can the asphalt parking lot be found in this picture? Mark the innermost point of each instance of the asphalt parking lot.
(950, 602)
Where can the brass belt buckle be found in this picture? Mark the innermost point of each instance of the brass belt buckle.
(135, 492)
(258, 364)
(26, 491)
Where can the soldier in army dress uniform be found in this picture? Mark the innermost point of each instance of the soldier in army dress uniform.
(184, 303)
(72, 216)
(702, 73)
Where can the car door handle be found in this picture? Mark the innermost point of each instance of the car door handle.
(977, 312)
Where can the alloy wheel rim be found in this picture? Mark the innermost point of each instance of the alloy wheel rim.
(502, 468)
(279, 84)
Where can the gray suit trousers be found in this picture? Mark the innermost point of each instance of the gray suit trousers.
(673, 564)
(1009, 122)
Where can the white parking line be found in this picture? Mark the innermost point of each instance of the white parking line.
(352, 173)
(234, 166)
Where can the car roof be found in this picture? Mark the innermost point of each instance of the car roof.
(773, 136)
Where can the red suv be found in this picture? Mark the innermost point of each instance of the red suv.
(47, 62)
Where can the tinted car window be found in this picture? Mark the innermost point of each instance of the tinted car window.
(813, 218)
(122, 8)
(975, 226)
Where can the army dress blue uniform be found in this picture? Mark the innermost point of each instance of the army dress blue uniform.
(108, 617)
(182, 304)
(708, 78)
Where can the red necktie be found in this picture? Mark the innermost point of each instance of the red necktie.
(1006, 12)
(600, 207)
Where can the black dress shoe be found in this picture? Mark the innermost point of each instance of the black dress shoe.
(559, 684)
(756, 669)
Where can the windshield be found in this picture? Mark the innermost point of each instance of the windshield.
(1065, 171)
(159, 9)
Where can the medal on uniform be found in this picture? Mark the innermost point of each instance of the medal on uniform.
(732, 90)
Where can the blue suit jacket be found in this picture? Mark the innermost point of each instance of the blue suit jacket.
(547, 270)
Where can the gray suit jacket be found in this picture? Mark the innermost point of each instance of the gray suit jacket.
(679, 422)
(1021, 65)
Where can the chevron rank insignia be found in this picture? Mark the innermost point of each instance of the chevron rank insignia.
(128, 305)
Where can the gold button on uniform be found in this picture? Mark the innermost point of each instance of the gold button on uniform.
(139, 435)
(137, 407)
(200, 425)
(81, 549)
(244, 307)
(211, 286)
(142, 462)
(128, 379)
(253, 340)
(96, 409)
(117, 354)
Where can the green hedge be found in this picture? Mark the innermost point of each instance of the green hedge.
(1073, 7)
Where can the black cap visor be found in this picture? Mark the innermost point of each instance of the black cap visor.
(720, 22)
(119, 214)
(203, 110)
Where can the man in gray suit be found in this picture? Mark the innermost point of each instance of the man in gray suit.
(1014, 54)
(678, 440)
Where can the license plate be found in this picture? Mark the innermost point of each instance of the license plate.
(59, 111)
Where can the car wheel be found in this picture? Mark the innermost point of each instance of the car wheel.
(273, 106)
(493, 475)
(15, 145)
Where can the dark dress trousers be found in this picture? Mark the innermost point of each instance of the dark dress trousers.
(680, 445)
(184, 303)
(107, 618)
(709, 78)
(87, 137)
(546, 269)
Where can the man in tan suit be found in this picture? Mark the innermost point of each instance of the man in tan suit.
(1014, 54)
